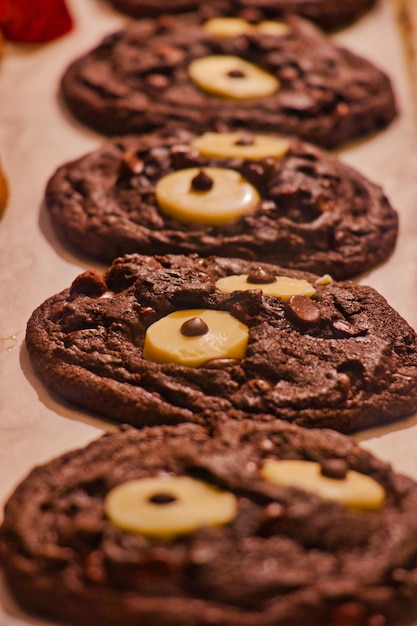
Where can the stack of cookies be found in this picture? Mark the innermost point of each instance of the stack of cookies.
(226, 337)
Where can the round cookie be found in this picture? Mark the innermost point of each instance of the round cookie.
(317, 352)
(149, 76)
(254, 551)
(329, 14)
(314, 212)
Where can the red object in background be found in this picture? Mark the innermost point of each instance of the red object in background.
(34, 21)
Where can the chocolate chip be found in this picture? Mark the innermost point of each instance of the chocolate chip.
(302, 311)
(236, 74)
(159, 81)
(202, 182)
(348, 614)
(342, 329)
(89, 283)
(245, 139)
(183, 156)
(194, 327)
(162, 498)
(260, 277)
(131, 164)
(220, 364)
(251, 15)
(334, 468)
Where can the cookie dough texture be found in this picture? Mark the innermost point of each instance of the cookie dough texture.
(137, 80)
(352, 365)
(315, 213)
(288, 557)
(329, 14)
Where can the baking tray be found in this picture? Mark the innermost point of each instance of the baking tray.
(37, 135)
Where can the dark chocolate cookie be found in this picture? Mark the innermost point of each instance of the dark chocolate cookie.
(317, 353)
(262, 524)
(329, 14)
(176, 72)
(314, 213)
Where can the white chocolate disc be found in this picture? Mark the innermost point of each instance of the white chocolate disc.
(226, 338)
(212, 74)
(284, 287)
(356, 490)
(131, 506)
(235, 26)
(223, 145)
(230, 196)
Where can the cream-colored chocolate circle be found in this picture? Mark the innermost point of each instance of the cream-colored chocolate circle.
(224, 145)
(356, 490)
(195, 504)
(211, 74)
(226, 338)
(235, 26)
(230, 196)
(283, 287)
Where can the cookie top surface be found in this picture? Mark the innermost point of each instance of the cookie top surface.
(329, 14)
(314, 213)
(144, 77)
(280, 555)
(335, 355)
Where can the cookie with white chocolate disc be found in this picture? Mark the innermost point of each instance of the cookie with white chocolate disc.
(265, 197)
(329, 14)
(174, 526)
(171, 339)
(175, 72)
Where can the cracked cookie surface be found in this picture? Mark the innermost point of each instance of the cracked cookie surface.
(329, 14)
(342, 358)
(286, 556)
(138, 80)
(315, 213)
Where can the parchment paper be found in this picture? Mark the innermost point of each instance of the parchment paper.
(37, 135)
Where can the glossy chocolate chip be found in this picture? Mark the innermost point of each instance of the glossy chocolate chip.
(302, 311)
(334, 468)
(260, 277)
(236, 74)
(202, 182)
(194, 327)
(89, 283)
(162, 498)
(342, 329)
(245, 140)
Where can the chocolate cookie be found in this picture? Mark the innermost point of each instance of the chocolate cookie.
(263, 524)
(176, 72)
(171, 339)
(311, 212)
(329, 14)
